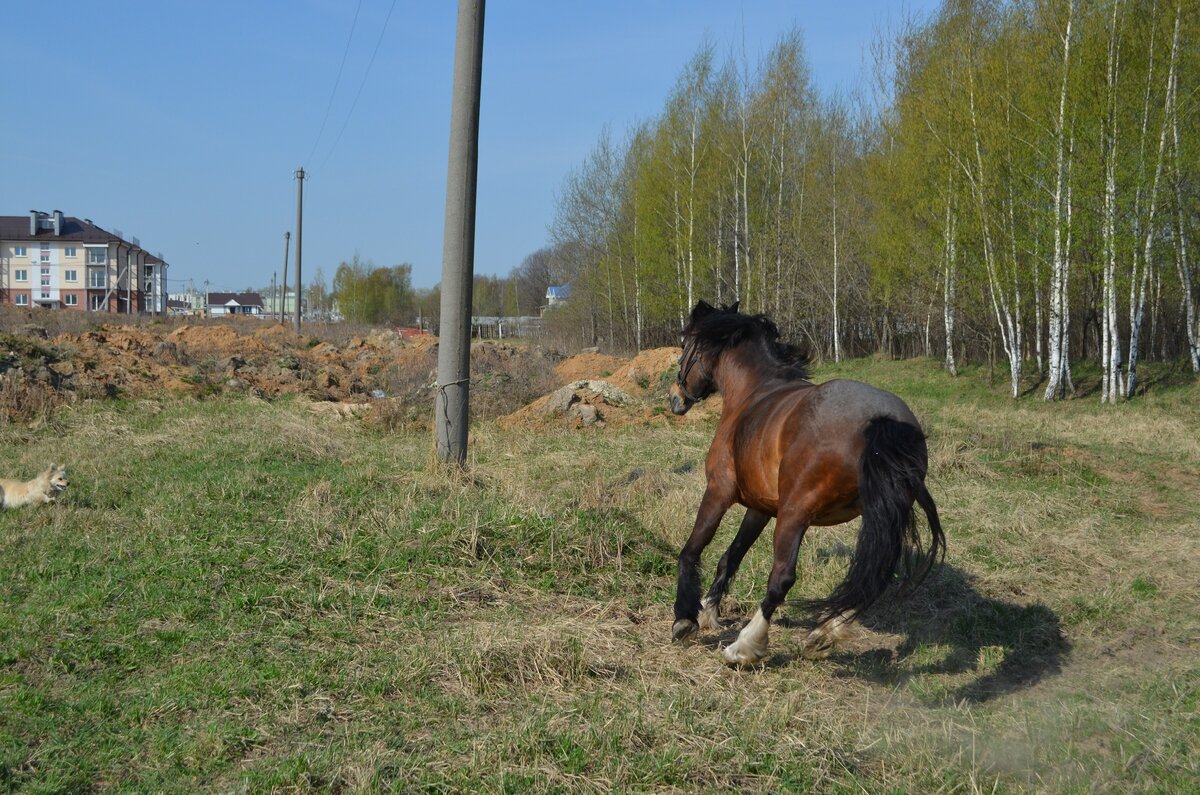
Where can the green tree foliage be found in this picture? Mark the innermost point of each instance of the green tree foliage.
(1026, 166)
(367, 294)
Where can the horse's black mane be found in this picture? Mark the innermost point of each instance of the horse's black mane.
(723, 328)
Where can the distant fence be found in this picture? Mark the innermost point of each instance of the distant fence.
(503, 327)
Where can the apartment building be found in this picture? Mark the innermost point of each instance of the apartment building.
(56, 261)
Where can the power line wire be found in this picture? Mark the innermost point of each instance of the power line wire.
(336, 82)
(366, 74)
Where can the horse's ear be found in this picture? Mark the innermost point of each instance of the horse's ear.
(701, 309)
(735, 306)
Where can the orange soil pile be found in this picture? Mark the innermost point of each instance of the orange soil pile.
(588, 365)
(644, 380)
(266, 360)
(520, 384)
(643, 375)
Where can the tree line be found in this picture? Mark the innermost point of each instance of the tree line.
(1020, 186)
(363, 292)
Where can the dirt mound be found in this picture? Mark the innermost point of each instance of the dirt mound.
(157, 357)
(391, 374)
(269, 361)
(604, 390)
(590, 364)
(646, 374)
(580, 404)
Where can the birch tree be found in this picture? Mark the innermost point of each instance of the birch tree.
(1059, 372)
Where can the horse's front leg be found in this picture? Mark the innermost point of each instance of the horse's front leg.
(751, 645)
(752, 526)
(687, 593)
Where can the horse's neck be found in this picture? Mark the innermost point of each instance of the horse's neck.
(740, 375)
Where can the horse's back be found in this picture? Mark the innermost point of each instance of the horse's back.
(845, 401)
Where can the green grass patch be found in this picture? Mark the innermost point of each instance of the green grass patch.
(241, 595)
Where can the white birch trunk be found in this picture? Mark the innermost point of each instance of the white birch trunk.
(719, 265)
(691, 212)
(637, 281)
(779, 230)
(1182, 264)
(737, 241)
(1039, 310)
(677, 256)
(1000, 303)
(837, 345)
(1111, 386)
(1137, 302)
(949, 281)
(1055, 382)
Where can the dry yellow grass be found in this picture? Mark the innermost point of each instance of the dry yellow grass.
(258, 598)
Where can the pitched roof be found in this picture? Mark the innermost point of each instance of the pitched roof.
(16, 227)
(241, 299)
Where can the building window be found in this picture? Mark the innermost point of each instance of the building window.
(45, 252)
(97, 302)
(97, 256)
(97, 279)
(71, 276)
(45, 280)
(69, 251)
(18, 251)
(20, 275)
(45, 295)
(22, 299)
(71, 300)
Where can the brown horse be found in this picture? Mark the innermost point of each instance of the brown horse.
(806, 455)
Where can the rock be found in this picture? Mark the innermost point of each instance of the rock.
(561, 400)
(611, 395)
(588, 415)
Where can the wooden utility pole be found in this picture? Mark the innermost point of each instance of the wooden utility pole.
(451, 406)
(299, 238)
(287, 238)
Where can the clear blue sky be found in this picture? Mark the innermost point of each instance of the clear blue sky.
(182, 122)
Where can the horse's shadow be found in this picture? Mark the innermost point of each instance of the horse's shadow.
(949, 628)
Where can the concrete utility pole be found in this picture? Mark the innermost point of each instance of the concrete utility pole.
(299, 238)
(458, 247)
(287, 238)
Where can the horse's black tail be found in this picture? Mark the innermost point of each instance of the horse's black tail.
(891, 479)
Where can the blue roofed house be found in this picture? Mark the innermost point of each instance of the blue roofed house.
(557, 295)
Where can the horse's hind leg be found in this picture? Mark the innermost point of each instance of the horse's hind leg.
(752, 526)
(825, 637)
(751, 645)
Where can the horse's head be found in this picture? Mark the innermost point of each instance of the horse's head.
(695, 380)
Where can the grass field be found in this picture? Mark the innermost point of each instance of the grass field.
(237, 595)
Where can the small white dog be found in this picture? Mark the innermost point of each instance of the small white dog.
(44, 488)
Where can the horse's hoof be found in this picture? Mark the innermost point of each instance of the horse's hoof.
(684, 630)
(708, 617)
(817, 648)
(826, 637)
(741, 654)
